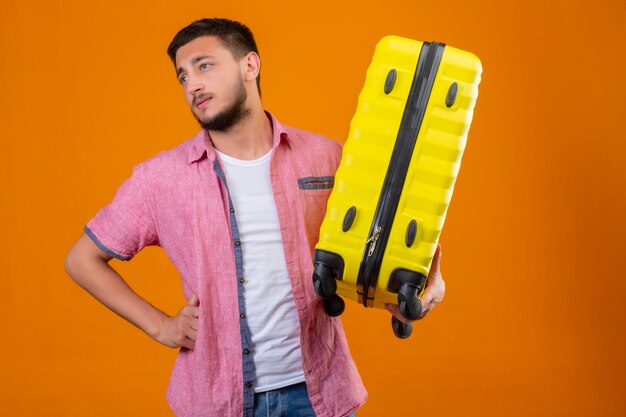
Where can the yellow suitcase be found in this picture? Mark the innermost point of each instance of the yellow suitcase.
(395, 181)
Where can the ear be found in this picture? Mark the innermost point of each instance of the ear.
(251, 66)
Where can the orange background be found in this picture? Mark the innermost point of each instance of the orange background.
(533, 322)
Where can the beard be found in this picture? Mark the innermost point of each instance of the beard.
(230, 116)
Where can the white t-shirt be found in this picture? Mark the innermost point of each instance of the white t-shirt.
(270, 309)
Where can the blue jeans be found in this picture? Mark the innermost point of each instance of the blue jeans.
(291, 401)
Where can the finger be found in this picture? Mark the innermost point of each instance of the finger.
(434, 266)
(431, 297)
(191, 311)
(186, 338)
(192, 334)
(193, 301)
(426, 300)
(192, 323)
(395, 311)
(187, 343)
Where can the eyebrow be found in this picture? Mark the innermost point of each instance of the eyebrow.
(193, 62)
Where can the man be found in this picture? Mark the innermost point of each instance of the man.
(227, 209)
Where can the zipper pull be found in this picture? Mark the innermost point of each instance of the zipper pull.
(373, 240)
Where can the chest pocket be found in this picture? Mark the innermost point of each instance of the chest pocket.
(316, 183)
(314, 192)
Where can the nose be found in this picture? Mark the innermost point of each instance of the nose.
(193, 85)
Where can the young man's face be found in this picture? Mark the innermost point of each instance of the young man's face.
(213, 83)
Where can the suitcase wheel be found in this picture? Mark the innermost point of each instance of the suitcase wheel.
(334, 306)
(410, 305)
(401, 330)
(323, 282)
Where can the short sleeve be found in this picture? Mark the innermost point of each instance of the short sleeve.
(126, 225)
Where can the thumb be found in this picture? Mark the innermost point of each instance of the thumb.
(193, 301)
(434, 266)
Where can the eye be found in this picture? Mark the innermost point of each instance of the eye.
(205, 65)
(182, 79)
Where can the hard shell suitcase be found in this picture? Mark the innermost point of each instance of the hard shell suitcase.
(396, 177)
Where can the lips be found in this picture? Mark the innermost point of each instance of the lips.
(200, 101)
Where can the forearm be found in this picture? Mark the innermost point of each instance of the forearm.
(97, 277)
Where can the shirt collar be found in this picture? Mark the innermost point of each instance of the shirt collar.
(202, 147)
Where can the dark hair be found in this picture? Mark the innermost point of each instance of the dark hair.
(235, 36)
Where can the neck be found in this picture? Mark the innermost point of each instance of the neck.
(250, 139)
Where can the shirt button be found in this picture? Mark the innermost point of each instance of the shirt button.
(248, 384)
(237, 243)
(243, 316)
(246, 351)
(232, 209)
(242, 280)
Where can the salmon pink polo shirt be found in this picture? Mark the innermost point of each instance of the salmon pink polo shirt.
(179, 200)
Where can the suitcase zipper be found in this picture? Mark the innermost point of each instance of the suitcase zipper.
(427, 66)
(373, 240)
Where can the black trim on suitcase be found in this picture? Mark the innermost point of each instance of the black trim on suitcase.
(423, 80)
